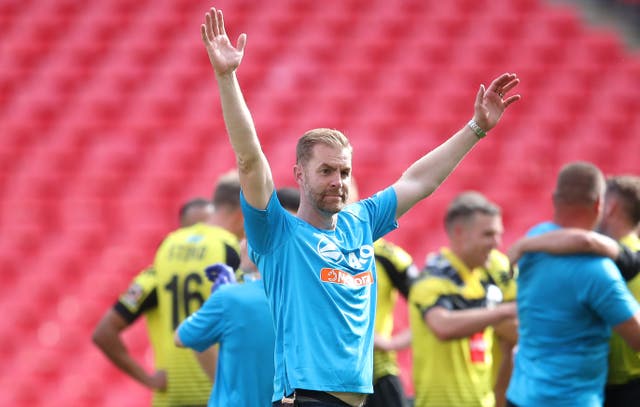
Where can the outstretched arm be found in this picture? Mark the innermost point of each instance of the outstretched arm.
(255, 174)
(426, 174)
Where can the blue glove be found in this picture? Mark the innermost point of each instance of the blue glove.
(220, 274)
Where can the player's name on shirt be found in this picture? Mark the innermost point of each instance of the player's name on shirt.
(187, 252)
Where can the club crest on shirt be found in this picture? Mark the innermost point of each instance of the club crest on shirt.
(132, 297)
(328, 250)
(359, 259)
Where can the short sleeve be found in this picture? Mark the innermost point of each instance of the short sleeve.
(382, 212)
(140, 297)
(605, 292)
(265, 227)
(628, 262)
(206, 326)
(427, 293)
(499, 270)
(398, 265)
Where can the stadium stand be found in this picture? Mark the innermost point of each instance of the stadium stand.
(109, 120)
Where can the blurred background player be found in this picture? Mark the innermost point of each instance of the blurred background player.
(237, 317)
(620, 217)
(567, 306)
(457, 304)
(395, 272)
(196, 210)
(169, 291)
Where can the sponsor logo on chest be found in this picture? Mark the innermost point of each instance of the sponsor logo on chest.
(358, 259)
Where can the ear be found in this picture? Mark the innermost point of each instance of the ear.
(457, 230)
(297, 173)
(599, 205)
(610, 206)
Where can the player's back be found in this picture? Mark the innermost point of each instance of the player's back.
(566, 305)
(182, 288)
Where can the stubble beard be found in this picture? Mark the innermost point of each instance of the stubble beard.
(319, 201)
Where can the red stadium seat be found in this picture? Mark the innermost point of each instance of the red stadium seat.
(112, 120)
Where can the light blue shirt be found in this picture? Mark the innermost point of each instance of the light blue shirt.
(321, 287)
(566, 308)
(237, 317)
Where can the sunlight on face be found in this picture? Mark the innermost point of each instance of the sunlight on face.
(480, 235)
(326, 178)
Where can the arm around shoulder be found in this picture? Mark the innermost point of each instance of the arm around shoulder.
(566, 241)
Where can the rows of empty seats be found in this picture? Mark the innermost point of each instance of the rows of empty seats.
(109, 119)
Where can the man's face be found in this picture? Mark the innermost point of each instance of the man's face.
(605, 214)
(476, 237)
(325, 179)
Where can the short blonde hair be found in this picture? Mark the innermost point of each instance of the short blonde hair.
(330, 137)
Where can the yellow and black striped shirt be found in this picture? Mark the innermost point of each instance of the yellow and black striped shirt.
(395, 271)
(456, 372)
(624, 362)
(169, 291)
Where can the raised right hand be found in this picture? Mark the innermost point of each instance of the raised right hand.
(223, 56)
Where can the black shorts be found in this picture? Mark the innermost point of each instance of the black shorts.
(618, 395)
(387, 391)
(312, 398)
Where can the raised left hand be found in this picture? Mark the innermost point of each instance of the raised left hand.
(491, 103)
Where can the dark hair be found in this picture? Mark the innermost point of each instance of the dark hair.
(627, 189)
(579, 183)
(466, 205)
(192, 204)
(227, 192)
(289, 198)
